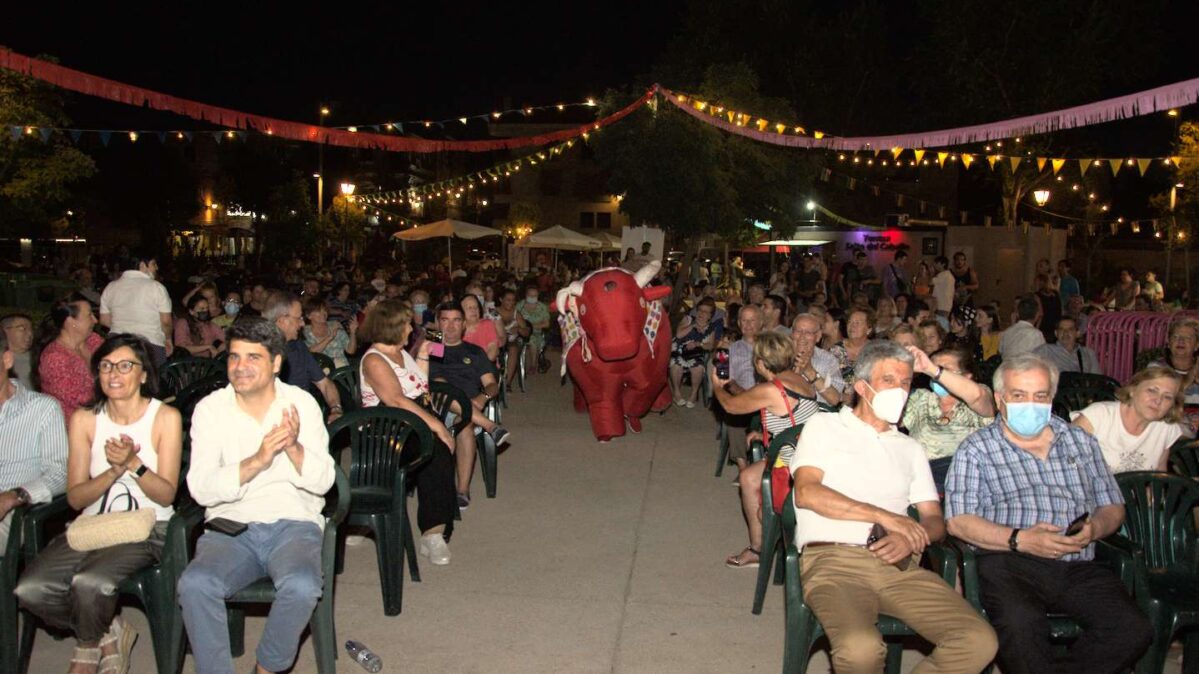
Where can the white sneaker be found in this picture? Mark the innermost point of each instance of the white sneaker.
(435, 548)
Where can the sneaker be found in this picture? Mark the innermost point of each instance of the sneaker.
(499, 435)
(690, 404)
(680, 402)
(435, 548)
(463, 501)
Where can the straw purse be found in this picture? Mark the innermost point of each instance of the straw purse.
(107, 528)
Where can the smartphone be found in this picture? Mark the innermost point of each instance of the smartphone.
(436, 348)
(721, 359)
(225, 526)
(1077, 524)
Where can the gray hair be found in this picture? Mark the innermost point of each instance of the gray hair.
(807, 316)
(278, 303)
(877, 351)
(1024, 363)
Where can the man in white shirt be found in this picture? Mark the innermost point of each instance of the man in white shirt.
(1067, 354)
(855, 476)
(139, 305)
(943, 285)
(260, 458)
(1022, 336)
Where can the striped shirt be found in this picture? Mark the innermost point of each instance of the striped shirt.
(34, 441)
(999, 482)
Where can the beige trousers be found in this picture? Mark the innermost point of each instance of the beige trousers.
(848, 587)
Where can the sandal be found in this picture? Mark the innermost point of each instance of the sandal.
(124, 638)
(734, 561)
(86, 656)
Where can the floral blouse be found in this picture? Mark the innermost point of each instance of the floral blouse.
(336, 348)
(67, 377)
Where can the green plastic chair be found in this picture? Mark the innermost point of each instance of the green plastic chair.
(349, 388)
(179, 374)
(10, 655)
(324, 637)
(1160, 520)
(443, 394)
(386, 444)
(772, 529)
(502, 365)
(1076, 399)
(1184, 457)
(326, 363)
(1072, 380)
(987, 368)
(802, 627)
(487, 452)
(187, 399)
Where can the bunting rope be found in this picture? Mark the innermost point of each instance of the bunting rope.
(91, 85)
(1122, 107)
(398, 127)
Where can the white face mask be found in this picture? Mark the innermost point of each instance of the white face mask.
(888, 404)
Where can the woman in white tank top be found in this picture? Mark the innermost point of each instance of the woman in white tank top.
(126, 446)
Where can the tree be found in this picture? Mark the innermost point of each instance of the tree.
(287, 229)
(693, 180)
(343, 226)
(37, 174)
(1178, 204)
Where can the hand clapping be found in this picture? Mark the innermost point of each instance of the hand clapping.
(120, 451)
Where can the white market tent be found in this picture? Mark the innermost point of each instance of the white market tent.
(560, 238)
(609, 240)
(448, 229)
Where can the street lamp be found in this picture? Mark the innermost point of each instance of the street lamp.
(347, 189)
(1041, 197)
(347, 193)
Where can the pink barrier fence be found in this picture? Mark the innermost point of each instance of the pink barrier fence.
(1118, 336)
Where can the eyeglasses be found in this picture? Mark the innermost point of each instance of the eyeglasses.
(124, 366)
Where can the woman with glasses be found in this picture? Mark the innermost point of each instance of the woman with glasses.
(956, 406)
(125, 452)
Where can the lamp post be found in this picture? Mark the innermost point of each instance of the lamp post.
(320, 165)
(347, 193)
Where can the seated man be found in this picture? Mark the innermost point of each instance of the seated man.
(1011, 492)
(18, 328)
(33, 463)
(1067, 355)
(466, 367)
(260, 458)
(302, 370)
(855, 476)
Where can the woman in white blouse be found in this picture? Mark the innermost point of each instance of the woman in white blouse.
(1135, 432)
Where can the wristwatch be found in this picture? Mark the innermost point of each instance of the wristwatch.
(141, 470)
(23, 496)
(1011, 541)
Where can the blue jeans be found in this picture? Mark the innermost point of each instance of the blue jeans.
(289, 553)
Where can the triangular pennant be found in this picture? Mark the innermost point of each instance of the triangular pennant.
(16, 132)
(941, 156)
(1083, 165)
(1014, 162)
(919, 154)
(896, 151)
(991, 159)
(162, 137)
(1177, 161)
(1115, 228)
(967, 159)
(1143, 164)
(399, 127)
(1025, 225)
(1041, 163)
(1115, 164)
(217, 136)
(45, 134)
(187, 135)
(853, 183)
(105, 136)
(1091, 229)
(75, 135)
(1057, 165)
(874, 190)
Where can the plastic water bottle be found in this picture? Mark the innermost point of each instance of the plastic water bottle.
(364, 656)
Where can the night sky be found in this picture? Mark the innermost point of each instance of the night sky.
(386, 61)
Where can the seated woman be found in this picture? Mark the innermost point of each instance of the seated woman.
(939, 419)
(196, 332)
(516, 330)
(480, 330)
(124, 453)
(785, 399)
(1182, 356)
(1135, 432)
(66, 343)
(689, 349)
(857, 328)
(393, 378)
(326, 336)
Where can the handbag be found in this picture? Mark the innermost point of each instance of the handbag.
(780, 476)
(106, 528)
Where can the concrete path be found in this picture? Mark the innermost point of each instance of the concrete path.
(593, 558)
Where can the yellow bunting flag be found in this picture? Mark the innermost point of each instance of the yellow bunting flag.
(919, 154)
(1143, 164)
(730, 114)
(1057, 165)
(941, 157)
(967, 159)
(1014, 162)
(1115, 164)
(1083, 165)
(818, 134)
(896, 151)
(991, 159)
(1041, 163)
(780, 128)
(762, 124)
(1177, 161)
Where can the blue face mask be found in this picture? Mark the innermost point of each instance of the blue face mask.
(1028, 419)
(232, 308)
(419, 309)
(939, 390)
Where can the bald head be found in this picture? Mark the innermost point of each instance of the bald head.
(749, 321)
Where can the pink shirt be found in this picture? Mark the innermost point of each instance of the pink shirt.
(484, 335)
(208, 331)
(66, 376)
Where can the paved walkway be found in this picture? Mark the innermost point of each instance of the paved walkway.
(593, 558)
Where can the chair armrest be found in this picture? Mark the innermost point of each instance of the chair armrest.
(757, 451)
(36, 519)
(943, 559)
(968, 563)
(1126, 558)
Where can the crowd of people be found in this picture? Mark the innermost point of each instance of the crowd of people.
(84, 410)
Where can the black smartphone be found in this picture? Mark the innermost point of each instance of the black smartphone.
(721, 359)
(1076, 525)
(225, 526)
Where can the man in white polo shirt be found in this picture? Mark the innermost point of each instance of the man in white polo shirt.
(139, 305)
(855, 476)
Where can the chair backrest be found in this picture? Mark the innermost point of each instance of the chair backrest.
(782, 439)
(1073, 380)
(1184, 457)
(326, 363)
(1148, 356)
(442, 395)
(178, 375)
(187, 399)
(1158, 516)
(378, 438)
(337, 500)
(986, 369)
(348, 387)
(1075, 399)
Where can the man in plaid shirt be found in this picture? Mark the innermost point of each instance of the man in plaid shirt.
(1012, 492)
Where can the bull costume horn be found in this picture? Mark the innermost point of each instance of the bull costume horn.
(647, 273)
